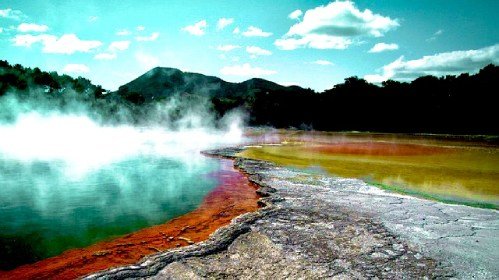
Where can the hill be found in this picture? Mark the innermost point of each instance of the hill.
(163, 82)
(256, 96)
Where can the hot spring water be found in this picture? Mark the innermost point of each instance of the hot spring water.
(67, 182)
(453, 170)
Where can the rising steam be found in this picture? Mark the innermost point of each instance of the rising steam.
(84, 145)
(41, 129)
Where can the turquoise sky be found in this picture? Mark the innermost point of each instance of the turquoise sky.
(112, 42)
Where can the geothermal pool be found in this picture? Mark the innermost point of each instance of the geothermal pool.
(43, 212)
(67, 182)
(462, 170)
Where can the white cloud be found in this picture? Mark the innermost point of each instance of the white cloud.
(296, 14)
(31, 27)
(255, 51)
(75, 68)
(224, 22)
(113, 48)
(335, 26)
(12, 14)
(236, 30)
(140, 28)
(255, 32)
(66, 44)
(123, 32)
(197, 29)
(323, 62)
(227, 48)
(246, 70)
(146, 61)
(93, 18)
(28, 39)
(152, 37)
(119, 46)
(435, 35)
(105, 56)
(1, 29)
(381, 47)
(448, 63)
(315, 41)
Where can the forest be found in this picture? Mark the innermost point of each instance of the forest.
(463, 104)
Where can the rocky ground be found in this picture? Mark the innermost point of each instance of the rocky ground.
(313, 226)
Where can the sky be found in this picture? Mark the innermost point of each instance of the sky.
(313, 44)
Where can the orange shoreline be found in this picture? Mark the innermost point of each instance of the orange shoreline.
(234, 196)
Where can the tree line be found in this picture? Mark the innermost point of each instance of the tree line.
(462, 104)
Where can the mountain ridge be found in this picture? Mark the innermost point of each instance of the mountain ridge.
(162, 82)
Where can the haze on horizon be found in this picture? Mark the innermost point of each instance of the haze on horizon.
(313, 44)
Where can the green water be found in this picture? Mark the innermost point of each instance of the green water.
(44, 211)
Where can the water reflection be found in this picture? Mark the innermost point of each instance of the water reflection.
(44, 212)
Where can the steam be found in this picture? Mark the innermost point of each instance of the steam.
(83, 145)
(73, 133)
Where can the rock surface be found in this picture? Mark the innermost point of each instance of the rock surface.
(314, 226)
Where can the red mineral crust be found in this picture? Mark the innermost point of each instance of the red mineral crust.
(378, 149)
(233, 196)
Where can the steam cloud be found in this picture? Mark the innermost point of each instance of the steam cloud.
(68, 130)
